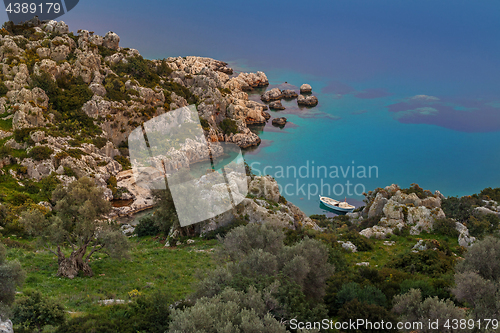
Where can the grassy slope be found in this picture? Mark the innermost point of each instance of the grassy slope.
(382, 254)
(151, 267)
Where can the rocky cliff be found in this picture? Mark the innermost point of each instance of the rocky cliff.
(395, 209)
(69, 101)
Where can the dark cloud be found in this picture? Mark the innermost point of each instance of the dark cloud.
(468, 116)
(372, 93)
(336, 87)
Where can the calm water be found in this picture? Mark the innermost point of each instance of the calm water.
(366, 61)
(342, 134)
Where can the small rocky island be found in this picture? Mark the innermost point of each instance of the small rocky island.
(274, 96)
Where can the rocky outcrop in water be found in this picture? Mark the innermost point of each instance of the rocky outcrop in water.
(276, 105)
(280, 122)
(309, 101)
(305, 89)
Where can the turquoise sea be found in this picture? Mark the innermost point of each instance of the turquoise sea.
(345, 132)
(408, 87)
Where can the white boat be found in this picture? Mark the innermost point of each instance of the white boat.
(341, 206)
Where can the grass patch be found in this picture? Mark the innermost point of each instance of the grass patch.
(151, 268)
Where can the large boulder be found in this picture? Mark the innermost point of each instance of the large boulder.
(111, 41)
(423, 218)
(305, 88)
(280, 122)
(486, 211)
(376, 232)
(57, 27)
(432, 202)
(271, 95)
(276, 105)
(265, 187)
(464, 239)
(393, 210)
(377, 207)
(406, 199)
(289, 94)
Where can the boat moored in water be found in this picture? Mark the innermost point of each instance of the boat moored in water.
(340, 206)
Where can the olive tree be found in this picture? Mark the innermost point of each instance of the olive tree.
(411, 308)
(230, 311)
(78, 225)
(477, 278)
(11, 276)
(294, 276)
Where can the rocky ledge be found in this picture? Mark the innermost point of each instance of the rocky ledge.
(397, 210)
(112, 99)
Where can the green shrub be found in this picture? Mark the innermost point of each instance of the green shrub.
(179, 90)
(22, 134)
(163, 69)
(125, 163)
(368, 294)
(3, 89)
(204, 124)
(99, 142)
(420, 192)
(481, 225)
(143, 70)
(39, 153)
(69, 172)
(222, 231)
(362, 243)
(5, 151)
(105, 51)
(430, 262)
(426, 289)
(228, 126)
(460, 209)
(446, 227)
(35, 311)
(491, 194)
(147, 227)
(354, 310)
(115, 89)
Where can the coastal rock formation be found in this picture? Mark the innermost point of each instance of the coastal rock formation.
(265, 187)
(464, 239)
(307, 100)
(398, 209)
(288, 94)
(110, 106)
(271, 95)
(258, 210)
(111, 41)
(276, 105)
(305, 88)
(279, 121)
